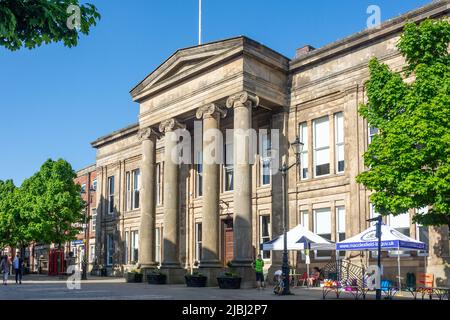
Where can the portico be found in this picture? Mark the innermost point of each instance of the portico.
(212, 82)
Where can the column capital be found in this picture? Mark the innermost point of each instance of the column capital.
(170, 125)
(210, 110)
(242, 99)
(147, 133)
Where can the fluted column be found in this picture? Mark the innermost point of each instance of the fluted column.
(148, 138)
(242, 104)
(212, 146)
(171, 194)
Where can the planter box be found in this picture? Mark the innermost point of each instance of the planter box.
(195, 281)
(229, 283)
(132, 277)
(156, 278)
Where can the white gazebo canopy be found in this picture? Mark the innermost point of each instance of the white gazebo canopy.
(299, 238)
(391, 239)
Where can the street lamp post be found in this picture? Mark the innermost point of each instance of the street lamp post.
(297, 146)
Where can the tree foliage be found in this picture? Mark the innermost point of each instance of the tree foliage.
(47, 208)
(409, 159)
(52, 203)
(30, 23)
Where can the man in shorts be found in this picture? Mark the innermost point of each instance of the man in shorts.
(259, 265)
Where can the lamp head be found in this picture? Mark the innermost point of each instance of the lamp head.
(297, 146)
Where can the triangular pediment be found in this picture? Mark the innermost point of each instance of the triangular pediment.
(186, 61)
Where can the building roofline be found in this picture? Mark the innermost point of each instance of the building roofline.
(133, 128)
(391, 26)
(88, 169)
(241, 37)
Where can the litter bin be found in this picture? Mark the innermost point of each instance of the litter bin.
(103, 272)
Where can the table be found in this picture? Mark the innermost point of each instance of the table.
(295, 278)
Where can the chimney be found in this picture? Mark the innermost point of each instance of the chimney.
(303, 50)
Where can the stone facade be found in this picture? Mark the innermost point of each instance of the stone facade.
(240, 84)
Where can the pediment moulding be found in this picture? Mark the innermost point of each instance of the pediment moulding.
(170, 125)
(242, 99)
(210, 110)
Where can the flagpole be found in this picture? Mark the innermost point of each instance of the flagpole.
(199, 22)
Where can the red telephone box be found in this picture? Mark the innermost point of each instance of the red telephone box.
(56, 263)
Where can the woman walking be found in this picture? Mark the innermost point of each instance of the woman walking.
(4, 268)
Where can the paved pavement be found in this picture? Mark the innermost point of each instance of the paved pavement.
(53, 288)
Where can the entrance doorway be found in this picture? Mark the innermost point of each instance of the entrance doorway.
(227, 241)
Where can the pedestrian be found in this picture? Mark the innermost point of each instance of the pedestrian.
(17, 264)
(259, 265)
(4, 268)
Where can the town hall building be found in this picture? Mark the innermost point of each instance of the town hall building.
(152, 211)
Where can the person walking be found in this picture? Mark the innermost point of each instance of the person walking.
(17, 264)
(259, 265)
(4, 268)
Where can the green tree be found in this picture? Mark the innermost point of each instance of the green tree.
(53, 203)
(30, 23)
(7, 212)
(409, 159)
(13, 223)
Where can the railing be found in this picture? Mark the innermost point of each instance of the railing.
(344, 271)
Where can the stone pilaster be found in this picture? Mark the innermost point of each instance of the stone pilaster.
(280, 122)
(243, 103)
(171, 262)
(212, 156)
(148, 138)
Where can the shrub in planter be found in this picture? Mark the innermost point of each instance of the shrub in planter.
(133, 276)
(156, 277)
(195, 279)
(229, 280)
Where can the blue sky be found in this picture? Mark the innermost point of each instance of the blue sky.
(54, 100)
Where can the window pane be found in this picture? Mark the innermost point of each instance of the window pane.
(321, 133)
(322, 223)
(126, 248)
(198, 241)
(322, 227)
(339, 127)
(340, 164)
(264, 234)
(304, 165)
(136, 187)
(304, 135)
(304, 155)
(128, 191)
(304, 218)
(158, 245)
(399, 221)
(158, 183)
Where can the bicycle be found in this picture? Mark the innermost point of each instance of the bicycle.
(279, 285)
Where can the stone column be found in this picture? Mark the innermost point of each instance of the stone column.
(147, 137)
(171, 262)
(212, 156)
(242, 103)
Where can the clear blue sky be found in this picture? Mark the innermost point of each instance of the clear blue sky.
(54, 101)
